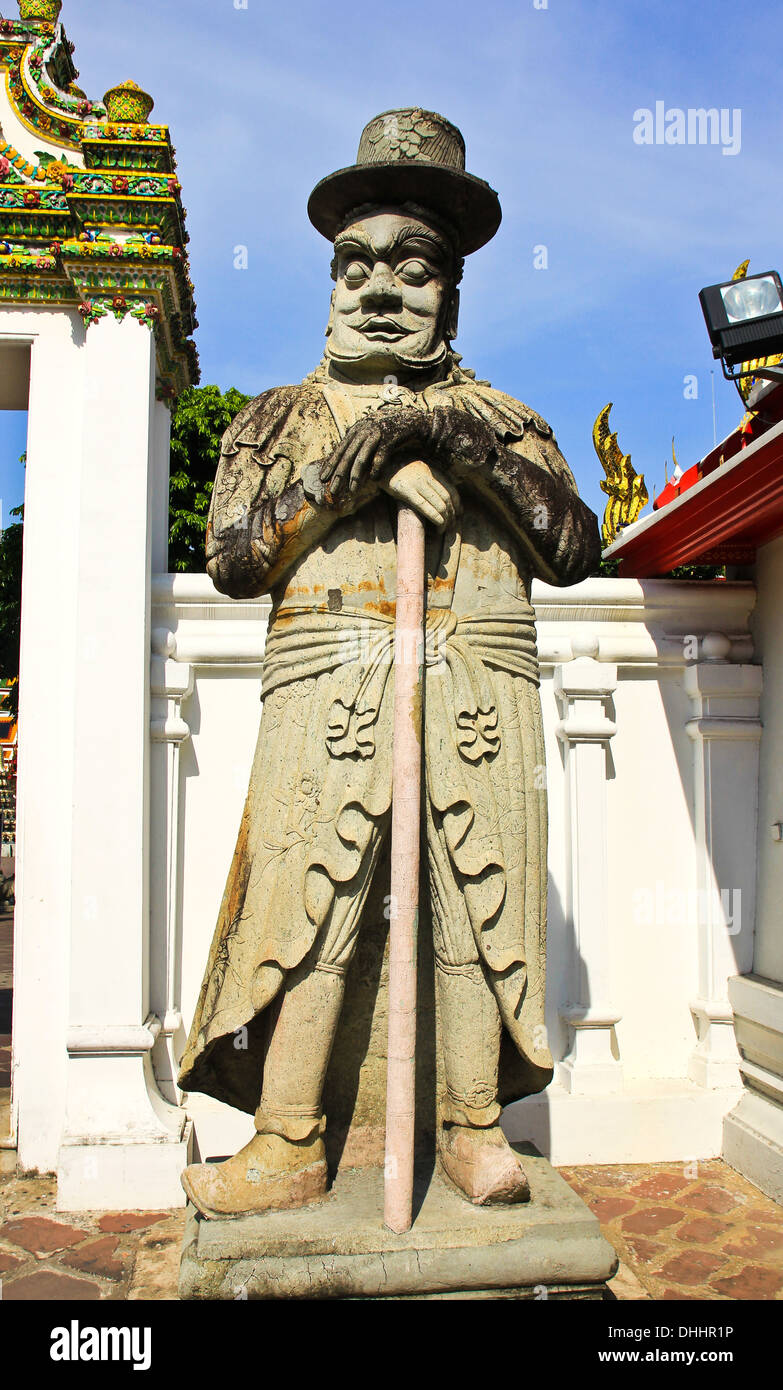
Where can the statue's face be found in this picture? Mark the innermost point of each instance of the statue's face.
(395, 281)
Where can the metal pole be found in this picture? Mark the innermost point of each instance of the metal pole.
(406, 815)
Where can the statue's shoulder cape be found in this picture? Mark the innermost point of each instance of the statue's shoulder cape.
(296, 412)
(508, 418)
(301, 423)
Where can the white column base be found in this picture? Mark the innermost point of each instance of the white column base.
(123, 1145)
(592, 1067)
(169, 1046)
(715, 1062)
(123, 1176)
(648, 1122)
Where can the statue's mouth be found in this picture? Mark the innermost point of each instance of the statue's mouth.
(382, 329)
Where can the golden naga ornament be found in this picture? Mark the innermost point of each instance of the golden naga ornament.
(747, 383)
(624, 487)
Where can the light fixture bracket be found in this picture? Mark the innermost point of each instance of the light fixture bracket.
(767, 373)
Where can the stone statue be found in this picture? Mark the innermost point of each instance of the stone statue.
(304, 508)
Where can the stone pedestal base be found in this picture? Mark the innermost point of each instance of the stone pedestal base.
(550, 1247)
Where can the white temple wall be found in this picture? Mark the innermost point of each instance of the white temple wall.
(651, 838)
(768, 636)
(753, 1132)
(643, 1070)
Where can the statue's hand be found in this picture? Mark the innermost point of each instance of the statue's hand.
(374, 443)
(427, 491)
(458, 439)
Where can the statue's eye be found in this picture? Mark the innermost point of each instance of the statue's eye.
(355, 274)
(414, 272)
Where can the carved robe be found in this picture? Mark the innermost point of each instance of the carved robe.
(318, 803)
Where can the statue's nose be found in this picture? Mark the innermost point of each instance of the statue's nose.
(381, 288)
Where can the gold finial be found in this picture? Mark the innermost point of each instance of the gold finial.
(747, 383)
(623, 485)
(677, 472)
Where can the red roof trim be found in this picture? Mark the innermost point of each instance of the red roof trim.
(742, 501)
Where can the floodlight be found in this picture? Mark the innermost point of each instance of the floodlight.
(745, 322)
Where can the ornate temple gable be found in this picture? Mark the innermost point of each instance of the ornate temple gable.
(93, 219)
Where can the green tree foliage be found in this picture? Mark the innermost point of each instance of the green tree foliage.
(199, 419)
(609, 569)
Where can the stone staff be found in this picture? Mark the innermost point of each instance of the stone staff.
(406, 832)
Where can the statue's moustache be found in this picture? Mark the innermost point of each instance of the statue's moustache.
(415, 363)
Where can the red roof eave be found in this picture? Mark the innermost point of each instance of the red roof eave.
(740, 502)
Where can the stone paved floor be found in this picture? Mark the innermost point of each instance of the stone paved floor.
(688, 1231)
(679, 1234)
(45, 1254)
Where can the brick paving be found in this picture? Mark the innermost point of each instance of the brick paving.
(688, 1231)
(708, 1235)
(87, 1256)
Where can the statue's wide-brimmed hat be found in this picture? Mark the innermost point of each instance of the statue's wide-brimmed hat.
(410, 156)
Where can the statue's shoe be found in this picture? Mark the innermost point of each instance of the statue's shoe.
(481, 1163)
(269, 1173)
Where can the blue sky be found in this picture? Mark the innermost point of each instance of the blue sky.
(263, 101)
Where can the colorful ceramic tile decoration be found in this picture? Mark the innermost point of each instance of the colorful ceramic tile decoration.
(128, 103)
(99, 225)
(46, 10)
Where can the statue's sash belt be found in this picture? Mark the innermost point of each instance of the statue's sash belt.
(359, 647)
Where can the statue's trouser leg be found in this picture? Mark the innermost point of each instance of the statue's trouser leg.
(469, 1015)
(471, 1028)
(474, 1153)
(298, 1055)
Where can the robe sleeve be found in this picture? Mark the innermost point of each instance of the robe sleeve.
(511, 460)
(259, 517)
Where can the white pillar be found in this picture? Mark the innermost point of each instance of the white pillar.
(122, 1143)
(726, 730)
(172, 684)
(583, 687)
(46, 711)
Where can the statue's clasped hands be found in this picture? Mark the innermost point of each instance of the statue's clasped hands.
(426, 490)
(385, 448)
